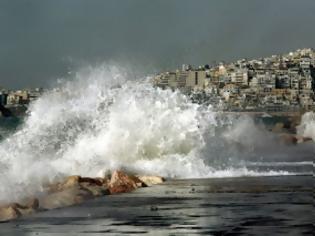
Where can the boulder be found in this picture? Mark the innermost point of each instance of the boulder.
(76, 181)
(74, 190)
(121, 183)
(95, 190)
(151, 180)
(294, 139)
(67, 197)
(289, 139)
(93, 181)
(278, 127)
(71, 181)
(8, 213)
(295, 121)
(301, 139)
(15, 210)
(33, 203)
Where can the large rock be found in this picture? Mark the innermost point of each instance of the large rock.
(121, 183)
(30, 206)
(15, 210)
(75, 181)
(289, 139)
(151, 180)
(8, 213)
(278, 127)
(67, 197)
(33, 203)
(74, 190)
(292, 139)
(95, 190)
(71, 181)
(301, 139)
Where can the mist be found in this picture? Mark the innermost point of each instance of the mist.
(42, 40)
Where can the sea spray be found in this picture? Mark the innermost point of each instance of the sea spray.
(307, 126)
(100, 120)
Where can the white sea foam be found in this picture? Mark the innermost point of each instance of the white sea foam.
(102, 121)
(307, 126)
(302, 163)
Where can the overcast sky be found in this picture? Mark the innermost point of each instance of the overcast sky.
(42, 40)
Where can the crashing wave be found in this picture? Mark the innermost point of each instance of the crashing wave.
(100, 120)
(307, 126)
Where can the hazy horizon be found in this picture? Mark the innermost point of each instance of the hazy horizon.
(43, 40)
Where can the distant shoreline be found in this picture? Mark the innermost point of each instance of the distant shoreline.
(20, 111)
(16, 110)
(273, 113)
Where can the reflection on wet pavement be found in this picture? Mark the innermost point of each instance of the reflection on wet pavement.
(235, 206)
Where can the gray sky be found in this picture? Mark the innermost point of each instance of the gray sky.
(41, 40)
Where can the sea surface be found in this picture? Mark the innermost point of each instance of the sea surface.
(215, 206)
(9, 125)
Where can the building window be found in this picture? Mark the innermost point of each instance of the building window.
(196, 78)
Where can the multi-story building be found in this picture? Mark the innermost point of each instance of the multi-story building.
(277, 82)
(3, 98)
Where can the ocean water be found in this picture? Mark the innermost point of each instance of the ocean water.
(101, 120)
(9, 125)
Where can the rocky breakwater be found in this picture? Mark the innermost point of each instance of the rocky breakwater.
(290, 139)
(288, 133)
(75, 190)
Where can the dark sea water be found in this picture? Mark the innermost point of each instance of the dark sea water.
(9, 125)
(228, 206)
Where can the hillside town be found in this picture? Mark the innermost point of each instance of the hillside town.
(16, 101)
(19, 97)
(276, 83)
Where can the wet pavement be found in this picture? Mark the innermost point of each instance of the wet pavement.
(229, 206)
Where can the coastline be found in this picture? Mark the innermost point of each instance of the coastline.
(280, 205)
(76, 190)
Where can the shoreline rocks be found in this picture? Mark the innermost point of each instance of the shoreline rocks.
(75, 190)
(287, 133)
(151, 180)
(293, 139)
(15, 210)
(120, 182)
